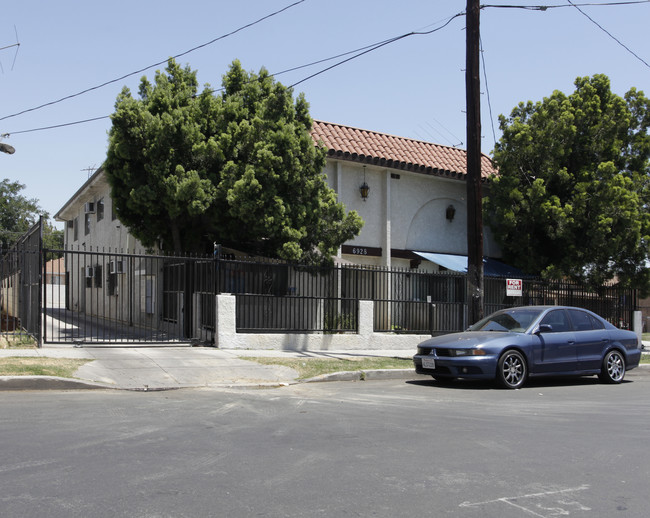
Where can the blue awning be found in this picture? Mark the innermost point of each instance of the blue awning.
(458, 263)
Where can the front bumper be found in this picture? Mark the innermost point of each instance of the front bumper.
(474, 367)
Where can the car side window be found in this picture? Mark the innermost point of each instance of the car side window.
(558, 321)
(595, 323)
(581, 321)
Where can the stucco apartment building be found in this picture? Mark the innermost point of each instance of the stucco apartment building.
(411, 195)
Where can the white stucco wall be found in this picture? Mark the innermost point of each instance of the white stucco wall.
(405, 211)
(228, 338)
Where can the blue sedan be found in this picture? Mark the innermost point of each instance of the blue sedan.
(516, 343)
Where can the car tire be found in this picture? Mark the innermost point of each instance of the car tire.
(512, 370)
(613, 367)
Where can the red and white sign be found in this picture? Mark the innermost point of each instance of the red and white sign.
(514, 288)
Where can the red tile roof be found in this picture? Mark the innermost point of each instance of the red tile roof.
(358, 145)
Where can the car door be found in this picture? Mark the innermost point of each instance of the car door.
(591, 339)
(555, 350)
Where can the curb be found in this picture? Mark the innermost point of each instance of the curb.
(364, 375)
(48, 383)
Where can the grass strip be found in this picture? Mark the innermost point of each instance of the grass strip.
(21, 366)
(311, 367)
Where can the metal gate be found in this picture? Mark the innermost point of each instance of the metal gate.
(20, 279)
(110, 297)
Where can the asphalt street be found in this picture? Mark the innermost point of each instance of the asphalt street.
(560, 447)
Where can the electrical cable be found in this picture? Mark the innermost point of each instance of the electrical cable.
(487, 90)
(378, 46)
(546, 7)
(359, 52)
(609, 34)
(112, 81)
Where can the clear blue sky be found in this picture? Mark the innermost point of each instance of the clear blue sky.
(414, 87)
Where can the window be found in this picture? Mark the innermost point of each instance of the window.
(581, 321)
(75, 226)
(100, 209)
(87, 223)
(98, 276)
(558, 321)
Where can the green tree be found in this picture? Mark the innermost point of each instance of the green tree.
(17, 213)
(53, 239)
(571, 198)
(238, 168)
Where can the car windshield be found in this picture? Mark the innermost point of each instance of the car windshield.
(512, 320)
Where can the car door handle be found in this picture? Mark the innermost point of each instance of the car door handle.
(571, 342)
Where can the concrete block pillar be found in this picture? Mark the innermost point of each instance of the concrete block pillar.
(366, 318)
(226, 321)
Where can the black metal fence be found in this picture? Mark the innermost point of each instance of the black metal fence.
(20, 278)
(280, 297)
(108, 296)
(111, 297)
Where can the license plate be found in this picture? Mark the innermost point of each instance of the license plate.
(428, 363)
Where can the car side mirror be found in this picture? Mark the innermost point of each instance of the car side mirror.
(544, 328)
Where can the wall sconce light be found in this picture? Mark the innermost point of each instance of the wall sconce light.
(364, 189)
(450, 213)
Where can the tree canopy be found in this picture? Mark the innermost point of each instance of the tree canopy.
(238, 168)
(17, 213)
(571, 198)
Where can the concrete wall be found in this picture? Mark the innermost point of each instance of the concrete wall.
(228, 338)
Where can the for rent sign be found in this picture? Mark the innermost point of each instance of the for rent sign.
(514, 288)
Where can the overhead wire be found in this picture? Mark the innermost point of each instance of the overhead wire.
(356, 54)
(139, 71)
(609, 34)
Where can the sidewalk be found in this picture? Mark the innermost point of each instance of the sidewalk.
(165, 368)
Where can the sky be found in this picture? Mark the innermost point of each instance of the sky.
(413, 87)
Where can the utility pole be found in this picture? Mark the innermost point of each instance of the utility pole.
(474, 194)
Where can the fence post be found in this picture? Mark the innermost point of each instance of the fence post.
(366, 317)
(225, 320)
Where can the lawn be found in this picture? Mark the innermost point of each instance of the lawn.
(22, 366)
(311, 367)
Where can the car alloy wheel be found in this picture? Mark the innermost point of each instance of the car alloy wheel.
(512, 370)
(613, 369)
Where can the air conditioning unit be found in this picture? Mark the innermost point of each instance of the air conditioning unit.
(89, 271)
(117, 266)
(89, 207)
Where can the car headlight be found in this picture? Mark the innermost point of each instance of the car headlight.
(467, 352)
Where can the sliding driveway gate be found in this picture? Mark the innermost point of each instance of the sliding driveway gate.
(108, 297)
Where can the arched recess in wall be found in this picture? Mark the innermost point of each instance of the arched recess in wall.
(431, 231)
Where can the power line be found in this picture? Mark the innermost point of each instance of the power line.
(487, 89)
(546, 7)
(378, 46)
(112, 81)
(357, 53)
(609, 34)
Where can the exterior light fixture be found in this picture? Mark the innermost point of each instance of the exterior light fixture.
(6, 148)
(364, 189)
(450, 213)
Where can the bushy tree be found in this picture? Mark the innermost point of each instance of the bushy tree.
(571, 198)
(17, 213)
(238, 168)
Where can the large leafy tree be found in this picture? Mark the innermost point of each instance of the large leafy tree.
(571, 198)
(238, 168)
(17, 213)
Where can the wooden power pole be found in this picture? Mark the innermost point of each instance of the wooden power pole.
(474, 195)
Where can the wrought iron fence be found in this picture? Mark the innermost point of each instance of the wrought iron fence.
(106, 296)
(280, 297)
(20, 277)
